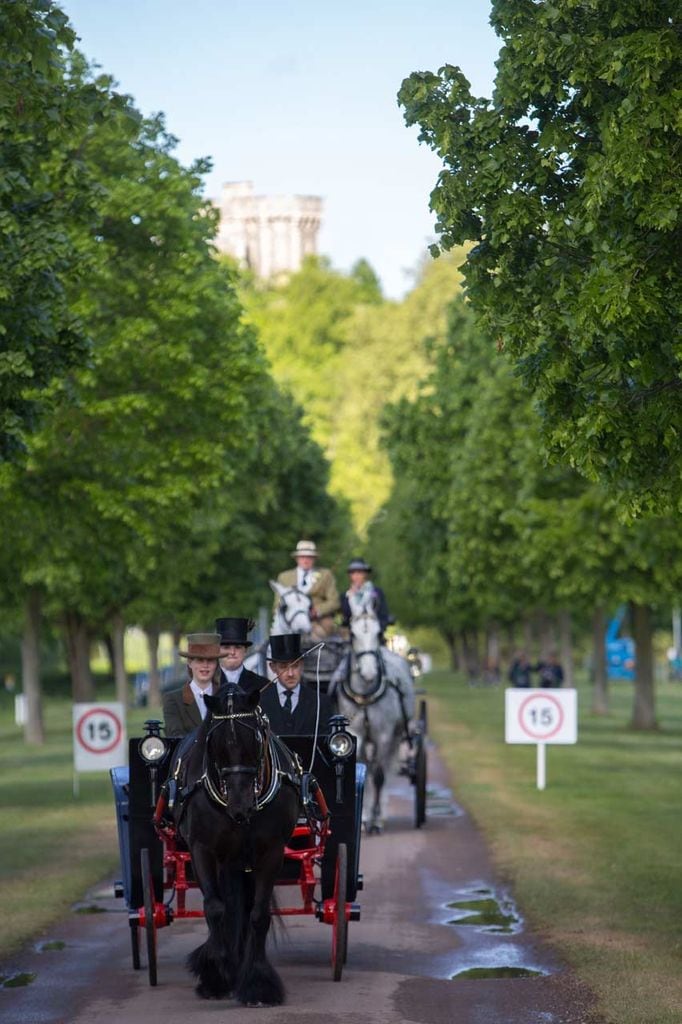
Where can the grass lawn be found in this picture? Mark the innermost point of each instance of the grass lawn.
(52, 846)
(594, 859)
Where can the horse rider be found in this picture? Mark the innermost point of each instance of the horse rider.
(316, 582)
(364, 595)
(290, 706)
(234, 643)
(184, 708)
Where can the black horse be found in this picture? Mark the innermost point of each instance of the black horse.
(238, 798)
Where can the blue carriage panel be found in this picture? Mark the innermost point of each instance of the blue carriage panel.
(120, 778)
(360, 776)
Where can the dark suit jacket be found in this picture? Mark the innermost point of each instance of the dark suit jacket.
(302, 721)
(250, 681)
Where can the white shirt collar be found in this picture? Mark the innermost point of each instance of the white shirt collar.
(232, 675)
(199, 696)
(282, 690)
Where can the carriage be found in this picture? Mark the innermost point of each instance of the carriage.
(321, 860)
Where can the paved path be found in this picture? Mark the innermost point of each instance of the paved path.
(403, 954)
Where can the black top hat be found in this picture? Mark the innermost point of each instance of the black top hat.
(285, 648)
(234, 631)
(359, 565)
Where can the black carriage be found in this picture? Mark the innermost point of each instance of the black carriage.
(321, 861)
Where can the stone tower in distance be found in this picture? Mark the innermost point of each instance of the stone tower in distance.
(269, 234)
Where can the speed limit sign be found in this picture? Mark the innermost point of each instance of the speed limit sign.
(541, 716)
(99, 736)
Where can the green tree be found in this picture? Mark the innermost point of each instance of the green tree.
(46, 188)
(568, 182)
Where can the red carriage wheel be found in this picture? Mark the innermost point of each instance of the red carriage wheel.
(340, 922)
(150, 927)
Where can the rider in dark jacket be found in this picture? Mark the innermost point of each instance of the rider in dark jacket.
(364, 593)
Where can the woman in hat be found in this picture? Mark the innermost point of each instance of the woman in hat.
(315, 581)
(290, 705)
(364, 595)
(184, 708)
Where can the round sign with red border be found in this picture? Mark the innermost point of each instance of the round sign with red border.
(99, 731)
(541, 716)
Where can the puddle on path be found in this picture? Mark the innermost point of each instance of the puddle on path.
(440, 803)
(50, 945)
(483, 910)
(88, 908)
(18, 980)
(498, 972)
(489, 929)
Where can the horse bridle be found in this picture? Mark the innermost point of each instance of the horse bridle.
(379, 688)
(261, 771)
(299, 611)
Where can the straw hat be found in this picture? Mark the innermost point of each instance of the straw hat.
(305, 547)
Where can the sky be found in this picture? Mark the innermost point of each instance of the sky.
(299, 98)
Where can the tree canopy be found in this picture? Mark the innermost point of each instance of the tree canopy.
(568, 183)
(46, 191)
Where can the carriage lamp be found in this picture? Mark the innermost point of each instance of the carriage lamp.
(341, 743)
(153, 749)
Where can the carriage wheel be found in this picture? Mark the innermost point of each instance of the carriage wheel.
(150, 927)
(423, 720)
(135, 945)
(340, 923)
(419, 781)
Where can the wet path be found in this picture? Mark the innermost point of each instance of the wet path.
(440, 942)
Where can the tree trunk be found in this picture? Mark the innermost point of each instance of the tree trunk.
(154, 696)
(78, 656)
(566, 647)
(472, 655)
(34, 731)
(644, 706)
(547, 635)
(118, 661)
(600, 682)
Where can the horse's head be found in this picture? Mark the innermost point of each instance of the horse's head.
(294, 609)
(236, 748)
(365, 631)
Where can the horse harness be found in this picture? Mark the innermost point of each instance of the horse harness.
(365, 700)
(276, 764)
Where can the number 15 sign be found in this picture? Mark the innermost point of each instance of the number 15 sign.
(541, 717)
(99, 736)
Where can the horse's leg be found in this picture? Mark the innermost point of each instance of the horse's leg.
(212, 962)
(258, 983)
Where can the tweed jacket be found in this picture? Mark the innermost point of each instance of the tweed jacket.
(302, 721)
(323, 592)
(180, 712)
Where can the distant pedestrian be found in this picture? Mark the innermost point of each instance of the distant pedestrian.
(520, 670)
(551, 674)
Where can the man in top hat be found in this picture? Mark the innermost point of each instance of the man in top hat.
(290, 705)
(315, 581)
(364, 595)
(234, 643)
(184, 708)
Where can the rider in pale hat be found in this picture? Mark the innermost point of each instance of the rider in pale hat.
(290, 705)
(315, 581)
(184, 708)
(234, 643)
(364, 595)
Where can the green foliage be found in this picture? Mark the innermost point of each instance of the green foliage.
(343, 352)
(46, 191)
(568, 183)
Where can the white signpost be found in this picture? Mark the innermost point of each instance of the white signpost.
(99, 738)
(541, 717)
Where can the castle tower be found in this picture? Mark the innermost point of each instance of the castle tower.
(269, 234)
